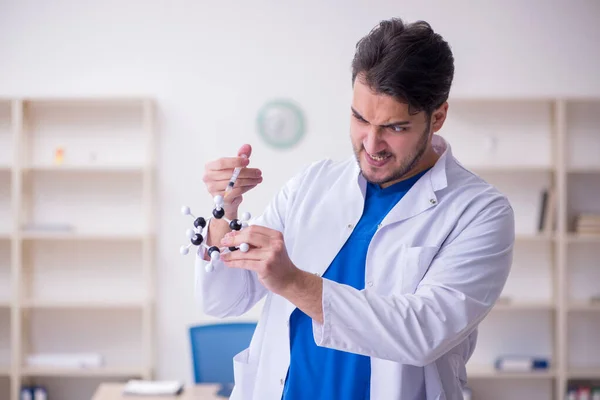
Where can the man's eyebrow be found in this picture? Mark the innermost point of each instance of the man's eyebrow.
(395, 124)
(356, 113)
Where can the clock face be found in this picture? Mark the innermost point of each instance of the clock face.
(281, 123)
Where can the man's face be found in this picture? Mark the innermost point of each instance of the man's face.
(387, 140)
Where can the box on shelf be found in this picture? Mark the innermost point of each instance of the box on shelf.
(521, 363)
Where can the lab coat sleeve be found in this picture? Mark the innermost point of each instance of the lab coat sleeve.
(458, 290)
(226, 292)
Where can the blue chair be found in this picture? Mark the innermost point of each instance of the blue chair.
(213, 348)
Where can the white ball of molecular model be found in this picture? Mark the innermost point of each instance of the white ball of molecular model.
(195, 234)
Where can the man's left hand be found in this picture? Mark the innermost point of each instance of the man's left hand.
(267, 256)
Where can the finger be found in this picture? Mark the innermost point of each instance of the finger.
(254, 254)
(263, 230)
(220, 186)
(246, 182)
(247, 235)
(245, 149)
(225, 174)
(250, 265)
(227, 163)
(235, 194)
(215, 189)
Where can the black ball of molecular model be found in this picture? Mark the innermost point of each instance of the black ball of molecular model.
(195, 234)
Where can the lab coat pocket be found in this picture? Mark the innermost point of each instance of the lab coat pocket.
(244, 374)
(415, 263)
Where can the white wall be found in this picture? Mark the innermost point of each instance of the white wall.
(210, 65)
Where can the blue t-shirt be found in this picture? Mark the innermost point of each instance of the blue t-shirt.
(321, 373)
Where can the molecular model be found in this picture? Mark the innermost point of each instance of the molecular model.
(195, 235)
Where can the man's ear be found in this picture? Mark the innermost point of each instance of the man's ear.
(438, 117)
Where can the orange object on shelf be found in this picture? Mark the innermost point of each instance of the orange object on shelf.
(59, 155)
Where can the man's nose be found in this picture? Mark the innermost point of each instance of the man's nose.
(372, 141)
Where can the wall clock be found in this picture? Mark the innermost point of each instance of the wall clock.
(280, 123)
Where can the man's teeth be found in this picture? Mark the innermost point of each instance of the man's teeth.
(378, 158)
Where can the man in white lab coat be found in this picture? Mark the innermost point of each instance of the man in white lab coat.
(377, 269)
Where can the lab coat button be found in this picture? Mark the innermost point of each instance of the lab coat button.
(350, 226)
(432, 201)
(370, 283)
(281, 381)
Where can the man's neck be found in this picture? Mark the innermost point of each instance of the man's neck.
(427, 161)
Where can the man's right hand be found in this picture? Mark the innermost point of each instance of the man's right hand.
(217, 174)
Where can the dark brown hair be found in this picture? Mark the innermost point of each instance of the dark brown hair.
(409, 62)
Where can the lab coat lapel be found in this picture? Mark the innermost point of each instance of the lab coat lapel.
(419, 198)
(422, 196)
(338, 213)
(341, 211)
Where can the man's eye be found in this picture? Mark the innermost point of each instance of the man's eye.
(398, 128)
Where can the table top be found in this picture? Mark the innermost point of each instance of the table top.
(114, 391)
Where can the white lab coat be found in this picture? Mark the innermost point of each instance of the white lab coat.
(434, 268)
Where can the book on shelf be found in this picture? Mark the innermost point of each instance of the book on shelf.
(547, 215)
(583, 391)
(587, 224)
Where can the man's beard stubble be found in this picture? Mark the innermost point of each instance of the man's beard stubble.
(407, 164)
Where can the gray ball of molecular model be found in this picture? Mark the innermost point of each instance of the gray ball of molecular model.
(195, 234)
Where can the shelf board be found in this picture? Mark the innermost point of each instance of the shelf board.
(489, 372)
(573, 237)
(520, 98)
(534, 237)
(83, 372)
(84, 168)
(582, 305)
(584, 373)
(503, 305)
(584, 170)
(110, 99)
(82, 304)
(5, 236)
(509, 169)
(5, 168)
(4, 370)
(59, 235)
(501, 98)
(4, 303)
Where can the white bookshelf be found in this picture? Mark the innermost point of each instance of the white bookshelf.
(523, 146)
(581, 253)
(76, 240)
